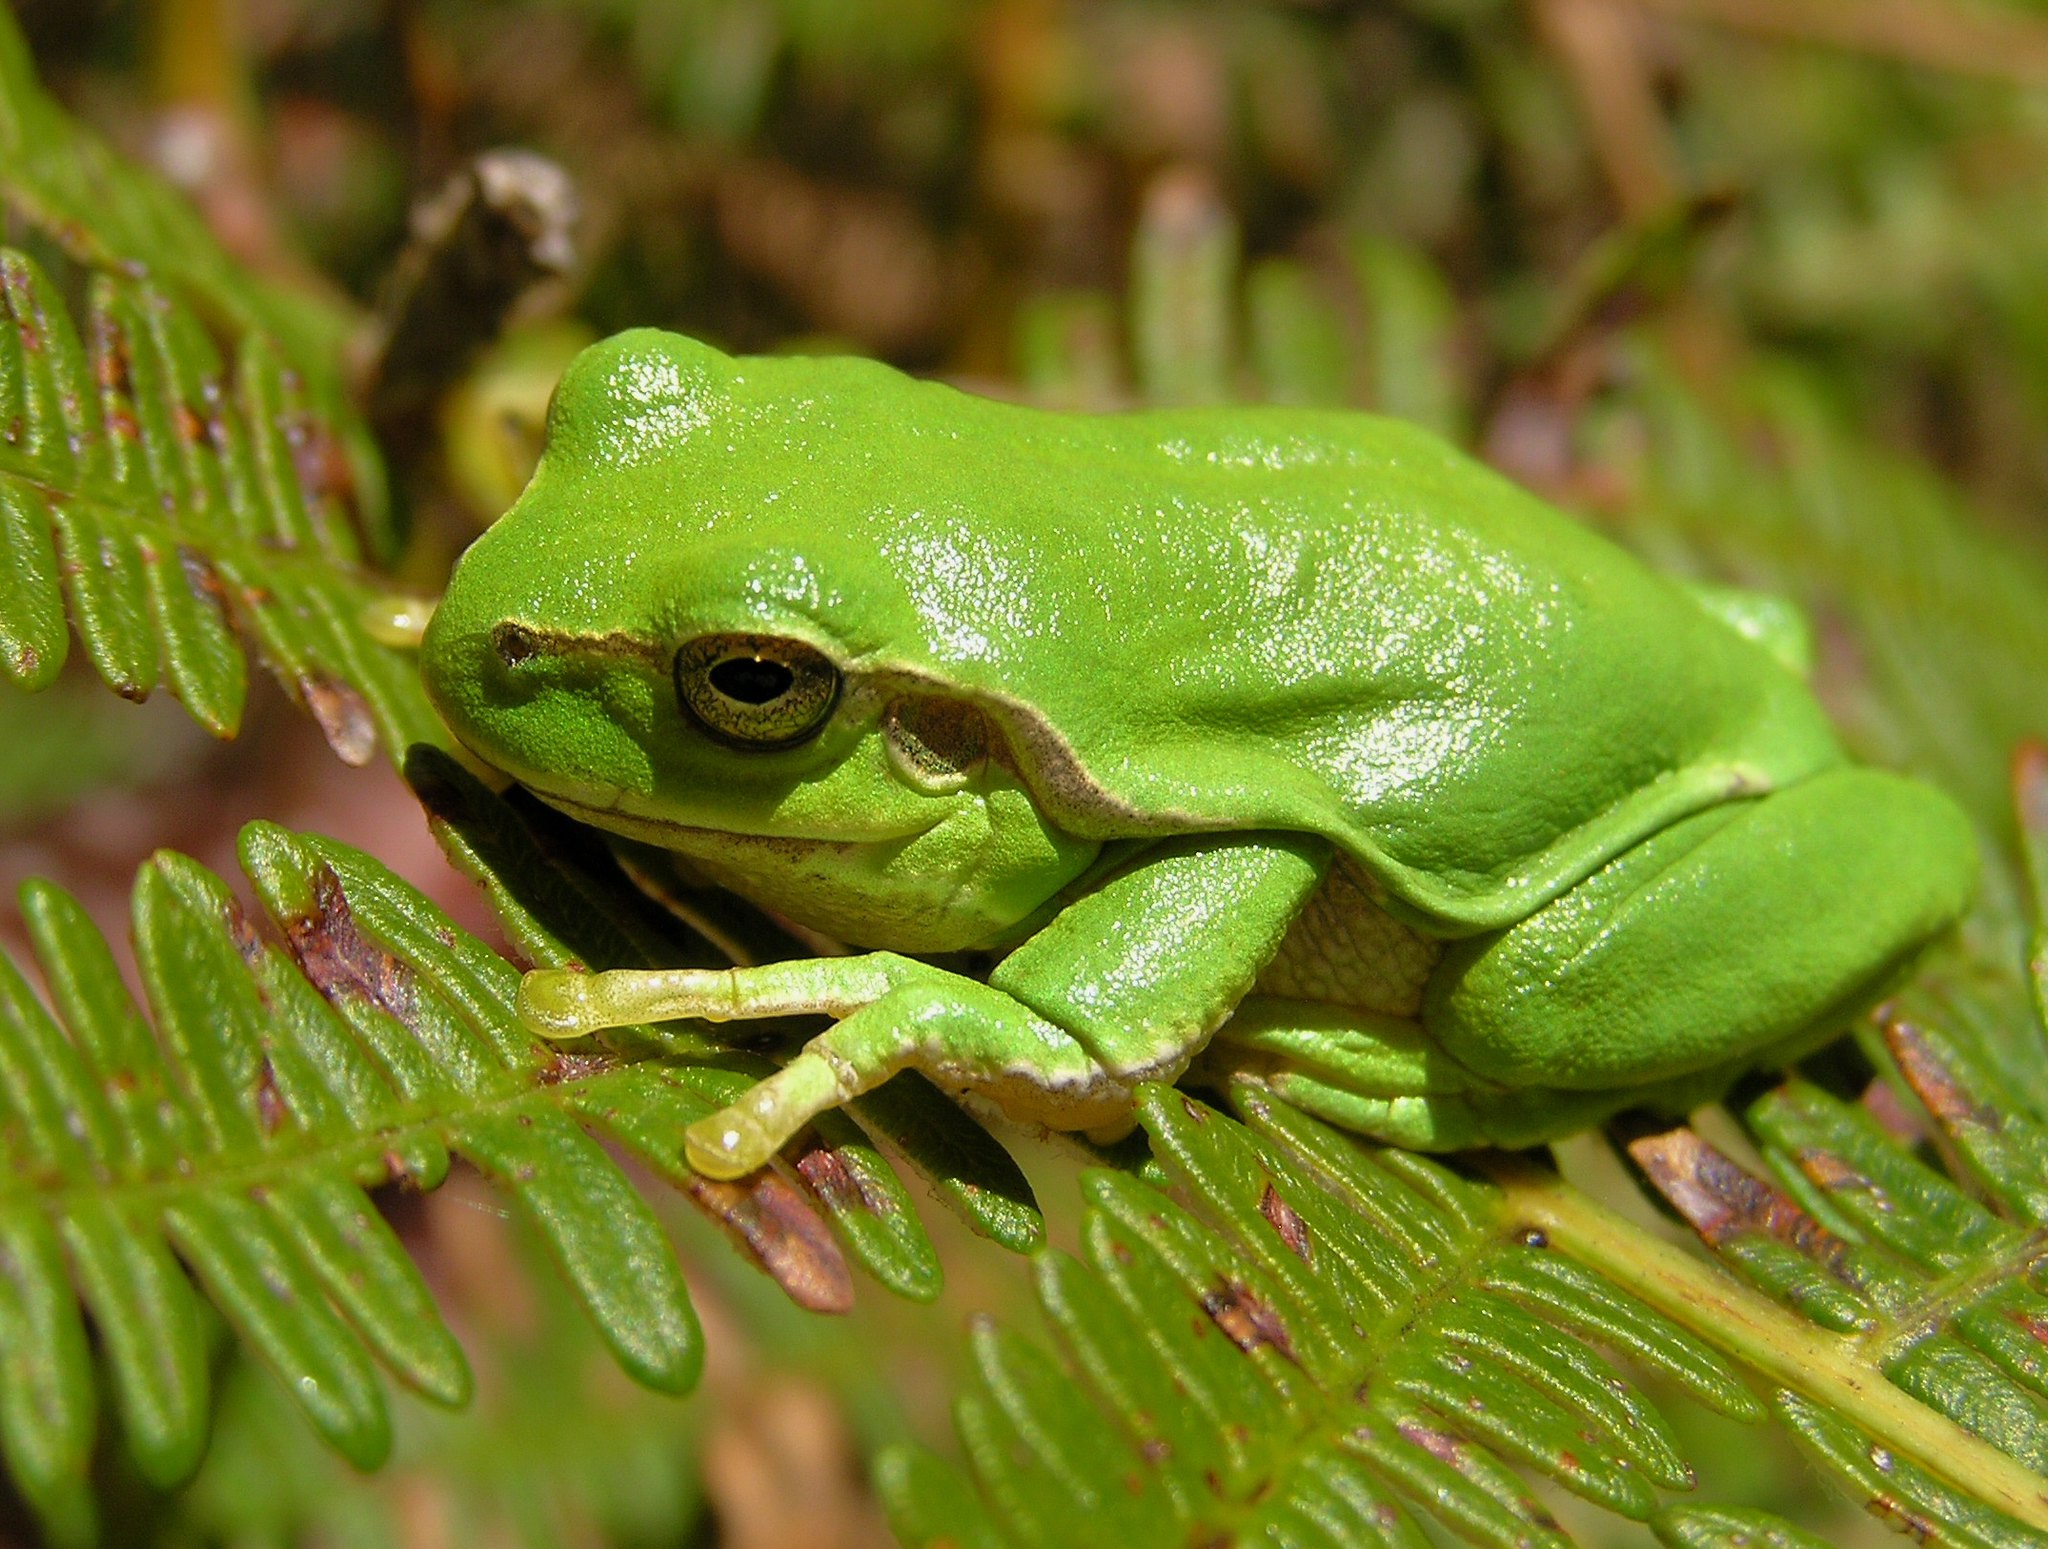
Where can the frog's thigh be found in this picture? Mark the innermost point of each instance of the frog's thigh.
(1744, 928)
(1123, 985)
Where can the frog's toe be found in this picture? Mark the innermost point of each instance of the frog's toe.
(557, 1003)
(745, 1135)
(1414, 1122)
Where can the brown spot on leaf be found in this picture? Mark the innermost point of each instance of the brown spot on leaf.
(397, 1172)
(835, 1184)
(271, 1111)
(776, 1227)
(319, 460)
(1246, 1320)
(1952, 1105)
(242, 931)
(1441, 1445)
(191, 427)
(1285, 1220)
(1882, 1102)
(2033, 1324)
(343, 716)
(2030, 786)
(28, 329)
(1723, 1202)
(202, 579)
(341, 961)
(564, 1066)
(1838, 1177)
(1901, 1518)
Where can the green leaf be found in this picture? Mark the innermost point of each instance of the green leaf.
(1727, 1527)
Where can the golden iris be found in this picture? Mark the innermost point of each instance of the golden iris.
(755, 691)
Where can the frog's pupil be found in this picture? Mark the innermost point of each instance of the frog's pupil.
(751, 682)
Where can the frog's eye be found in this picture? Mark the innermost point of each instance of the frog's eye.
(755, 691)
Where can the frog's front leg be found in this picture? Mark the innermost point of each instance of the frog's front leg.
(1123, 985)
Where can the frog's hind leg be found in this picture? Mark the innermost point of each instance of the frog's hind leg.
(1753, 929)
(1747, 933)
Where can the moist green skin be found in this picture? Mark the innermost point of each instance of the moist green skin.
(1162, 700)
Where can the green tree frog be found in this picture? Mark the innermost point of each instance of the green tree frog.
(1293, 740)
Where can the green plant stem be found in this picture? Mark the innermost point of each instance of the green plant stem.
(1830, 1369)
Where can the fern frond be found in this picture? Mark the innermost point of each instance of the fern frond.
(1727, 1527)
(112, 216)
(234, 1127)
(176, 513)
(1282, 1335)
(1927, 1279)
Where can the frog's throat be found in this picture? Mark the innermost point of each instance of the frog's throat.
(667, 834)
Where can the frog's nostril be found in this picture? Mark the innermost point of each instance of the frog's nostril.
(514, 643)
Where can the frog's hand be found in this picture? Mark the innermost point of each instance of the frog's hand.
(568, 1003)
(963, 1034)
(1124, 985)
(1754, 929)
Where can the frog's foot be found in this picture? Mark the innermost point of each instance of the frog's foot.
(1458, 1121)
(1385, 1078)
(1378, 1076)
(1388, 1079)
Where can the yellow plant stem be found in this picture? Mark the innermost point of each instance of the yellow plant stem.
(1833, 1370)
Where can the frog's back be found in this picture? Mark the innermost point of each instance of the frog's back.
(1237, 618)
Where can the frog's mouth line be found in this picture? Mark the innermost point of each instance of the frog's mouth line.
(664, 832)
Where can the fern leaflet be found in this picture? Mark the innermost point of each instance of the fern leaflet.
(172, 511)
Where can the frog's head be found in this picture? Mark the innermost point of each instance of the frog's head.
(672, 636)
